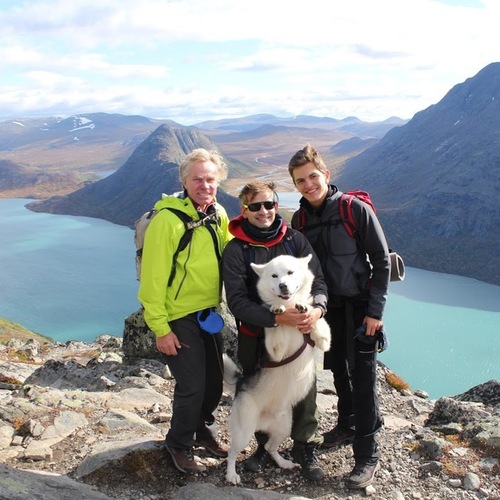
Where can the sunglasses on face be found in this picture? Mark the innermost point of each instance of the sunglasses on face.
(255, 207)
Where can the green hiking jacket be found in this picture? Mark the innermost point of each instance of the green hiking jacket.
(197, 284)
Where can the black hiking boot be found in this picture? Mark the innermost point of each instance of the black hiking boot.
(362, 475)
(258, 461)
(338, 436)
(308, 462)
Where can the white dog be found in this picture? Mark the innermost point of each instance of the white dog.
(264, 400)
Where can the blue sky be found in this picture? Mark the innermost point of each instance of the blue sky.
(195, 60)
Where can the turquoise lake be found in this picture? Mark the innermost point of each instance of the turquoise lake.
(73, 278)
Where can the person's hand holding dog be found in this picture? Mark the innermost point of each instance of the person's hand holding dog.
(303, 321)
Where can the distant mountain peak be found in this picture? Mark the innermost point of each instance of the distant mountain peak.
(152, 169)
(435, 181)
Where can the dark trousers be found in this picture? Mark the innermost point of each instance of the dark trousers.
(197, 370)
(304, 414)
(354, 375)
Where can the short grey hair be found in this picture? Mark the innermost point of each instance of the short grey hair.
(201, 154)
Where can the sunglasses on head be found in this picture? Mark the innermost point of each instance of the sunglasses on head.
(255, 207)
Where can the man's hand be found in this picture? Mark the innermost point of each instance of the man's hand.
(312, 316)
(372, 325)
(303, 321)
(168, 344)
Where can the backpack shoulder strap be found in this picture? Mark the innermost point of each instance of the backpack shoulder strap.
(345, 211)
(182, 215)
(190, 225)
(302, 226)
(248, 255)
(213, 234)
(301, 219)
(183, 242)
(289, 245)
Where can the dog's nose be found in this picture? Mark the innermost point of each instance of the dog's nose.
(283, 287)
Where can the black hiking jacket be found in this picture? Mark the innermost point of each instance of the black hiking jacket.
(240, 281)
(353, 267)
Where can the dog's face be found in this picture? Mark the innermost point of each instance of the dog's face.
(282, 278)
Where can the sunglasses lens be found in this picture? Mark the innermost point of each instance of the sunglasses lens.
(255, 207)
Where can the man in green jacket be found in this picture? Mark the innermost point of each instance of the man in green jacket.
(173, 303)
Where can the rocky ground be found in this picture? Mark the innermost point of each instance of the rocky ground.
(78, 411)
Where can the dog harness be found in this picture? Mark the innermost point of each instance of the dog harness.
(295, 355)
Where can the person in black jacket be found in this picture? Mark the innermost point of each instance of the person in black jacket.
(357, 272)
(260, 234)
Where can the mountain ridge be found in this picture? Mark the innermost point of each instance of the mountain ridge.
(83, 148)
(126, 194)
(435, 179)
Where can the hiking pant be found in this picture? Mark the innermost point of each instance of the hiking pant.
(354, 376)
(304, 414)
(197, 370)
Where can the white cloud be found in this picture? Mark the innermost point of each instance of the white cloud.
(190, 59)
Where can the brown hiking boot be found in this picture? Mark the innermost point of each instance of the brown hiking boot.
(184, 461)
(210, 444)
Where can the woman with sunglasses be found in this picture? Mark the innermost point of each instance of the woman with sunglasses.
(260, 234)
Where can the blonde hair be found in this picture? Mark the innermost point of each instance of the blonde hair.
(201, 154)
(252, 189)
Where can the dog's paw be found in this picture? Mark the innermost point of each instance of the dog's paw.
(278, 310)
(322, 344)
(233, 478)
(287, 464)
(320, 334)
(301, 308)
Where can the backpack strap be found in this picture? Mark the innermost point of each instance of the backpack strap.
(190, 225)
(213, 234)
(346, 215)
(302, 226)
(345, 212)
(301, 220)
(248, 255)
(289, 246)
(183, 242)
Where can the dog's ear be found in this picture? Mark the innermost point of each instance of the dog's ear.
(307, 259)
(258, 268)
